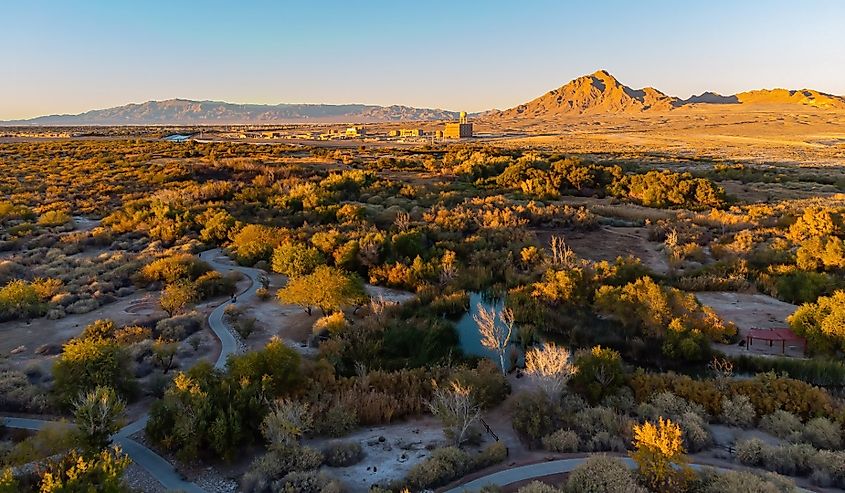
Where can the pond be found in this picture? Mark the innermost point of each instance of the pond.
(470, 338)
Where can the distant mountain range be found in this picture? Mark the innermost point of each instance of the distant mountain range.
(187, 112)
(600, 93)
(596, 94)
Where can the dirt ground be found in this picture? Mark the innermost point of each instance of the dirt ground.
(610, 242)
(749, 311)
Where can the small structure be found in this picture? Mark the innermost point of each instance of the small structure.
(353, 132)
(460, 130)
(774, 335)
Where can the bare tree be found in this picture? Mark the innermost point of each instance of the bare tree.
(402, 221)
(723, 370)
(550, 366)
(561, 253)
(495, 329)
(457, 409)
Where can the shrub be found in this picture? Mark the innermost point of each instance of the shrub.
(782, 424)
(17, 394)
(538, 487)
(738, 411)
(823, 433)
(602, 474)
(444, 465)
(534, 416)
(489, 387)
(307, 482)
(330, 324)
(492, 454)
(745, 481)
(88, 363)
(599, 373)
(265, 472)
(179, 327)
(337, 421)
(562, 441)
(343, 454)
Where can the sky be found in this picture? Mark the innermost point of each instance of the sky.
(73, 56)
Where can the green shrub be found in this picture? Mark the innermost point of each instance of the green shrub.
(562, 441)
(343, 454)
(602, 474)
(823, 433)
(782, 424)
(738, 411)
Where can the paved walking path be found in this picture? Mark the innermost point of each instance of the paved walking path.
(157, 465)
(541, 469)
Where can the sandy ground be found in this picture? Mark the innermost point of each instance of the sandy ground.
(608, 243)
(749, 311)
(390, 452)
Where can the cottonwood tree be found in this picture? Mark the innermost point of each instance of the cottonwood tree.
(496, 329)
(457, 409)
(660, 456)
(96, 414)
(550, 367)
(328, 288)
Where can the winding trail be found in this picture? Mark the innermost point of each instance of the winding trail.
(542, 469)
(156, 465)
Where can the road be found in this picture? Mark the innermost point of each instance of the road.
(539, 470)
(228, 343)
(155, 464)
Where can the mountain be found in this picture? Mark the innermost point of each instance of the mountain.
(807, 97)
(187, 112)
(601, 94)
(598, 93)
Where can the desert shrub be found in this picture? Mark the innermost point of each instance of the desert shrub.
(17, 394)
(55, 438)
(536, 487)
(89, 363)
(213, 283)
(343, 454)
(599, 374)
(489, 386)
(562, 441)
(82, 306)
(307, 482)
(791, 459)
(179, 327)
(602, 474)
(330, 324)
(534, 416)
(337, 421)
(265, 472)
(738, 411)
(20, 299)
(444, 465)
(711, 481)
(823, 433)
(492, 454)
(782, 424)
(180, 267)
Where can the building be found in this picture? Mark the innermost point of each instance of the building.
(460, 130)
(353, 132)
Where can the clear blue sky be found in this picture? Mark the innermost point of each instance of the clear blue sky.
(71, 56)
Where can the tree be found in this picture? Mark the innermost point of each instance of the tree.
(286, 422)
(295, 259)
(550, 366)
(457, 409)
(96, 414)
(176, 296)
(496, 329)
(598, 373)
(86, 364)
(822, 323)
(660, 456)
(164, 353)
(328, 288)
